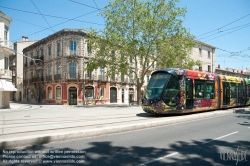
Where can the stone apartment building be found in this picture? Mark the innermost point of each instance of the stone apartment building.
(244, 73)
(6, 49)
(206, 54)
(16, 66)
(56, 75)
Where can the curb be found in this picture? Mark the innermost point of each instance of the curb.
(45, 138)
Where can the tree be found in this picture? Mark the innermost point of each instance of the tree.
(147, 33)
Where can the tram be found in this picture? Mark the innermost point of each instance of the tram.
(180, 91)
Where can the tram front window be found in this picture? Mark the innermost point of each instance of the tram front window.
(156, 85)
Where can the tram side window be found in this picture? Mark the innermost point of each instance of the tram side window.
(241, 90)
(209, 90)
(248, 90)
(199, 88)
(233, 90)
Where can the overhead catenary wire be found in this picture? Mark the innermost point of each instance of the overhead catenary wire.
(222, 31)
(85, 4)
(43, 16)
(25, 11)
(218, 29)
(59, 23)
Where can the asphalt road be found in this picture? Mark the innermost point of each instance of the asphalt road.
(222, 140)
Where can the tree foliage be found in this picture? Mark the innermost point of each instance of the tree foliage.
(147, 32)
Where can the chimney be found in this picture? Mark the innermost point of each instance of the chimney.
(24, 38)
(219, 66)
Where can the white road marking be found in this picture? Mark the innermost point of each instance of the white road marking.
(221, 137)
(160, 158)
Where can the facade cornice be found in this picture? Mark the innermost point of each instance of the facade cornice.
(5, 17)
(205, 44)
(56, 35)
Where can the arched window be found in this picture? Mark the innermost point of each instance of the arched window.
(89, 92)
(58, 93)
(50, 92)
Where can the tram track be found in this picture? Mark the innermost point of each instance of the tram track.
(62, 128)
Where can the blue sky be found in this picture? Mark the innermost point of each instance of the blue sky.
(228, 22)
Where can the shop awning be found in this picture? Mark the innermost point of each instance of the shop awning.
(6, 86)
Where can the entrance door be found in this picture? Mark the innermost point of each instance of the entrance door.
(226, 93)
(122, 95)
(113, 95)
(28, 95)
(189, 93)
(20, 96)
(72, 96)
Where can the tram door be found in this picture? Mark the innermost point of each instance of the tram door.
(226, 93)
(189, 93)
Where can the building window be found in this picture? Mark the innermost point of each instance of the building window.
(58, 69)
(6, 63)
(72, 70)
(58, 92)
(37, 54)
(102, 91)
(41, 52)
(58, 49)
(6, 31)
(102, 73)
(49, 92)
(208, 54)
(209, 68)
(72, 47)
(89, 92)
(200, 52)
(200, 68)
(49, 71)
(89, 48)
(49, 51)
(122, 78)
(89, 75)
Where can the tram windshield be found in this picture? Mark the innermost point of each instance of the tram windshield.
(156, 85)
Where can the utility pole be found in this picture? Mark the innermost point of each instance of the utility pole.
(83, 82)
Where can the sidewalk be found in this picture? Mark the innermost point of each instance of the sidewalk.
(34, 125)
(16, 105)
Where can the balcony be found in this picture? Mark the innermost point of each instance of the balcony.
(72, 53)
(113, 79)
(25, 81)
(89, 77)
(57, 77)
(31, 62)
(72, 76)
(102, 78)
(6, 43)
(49, 78)
(124, 80)
(12, 63)
(5, 74)
(13, 73)
(58, 54)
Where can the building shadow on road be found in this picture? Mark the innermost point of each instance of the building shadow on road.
(205, 152)
(243, 114)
